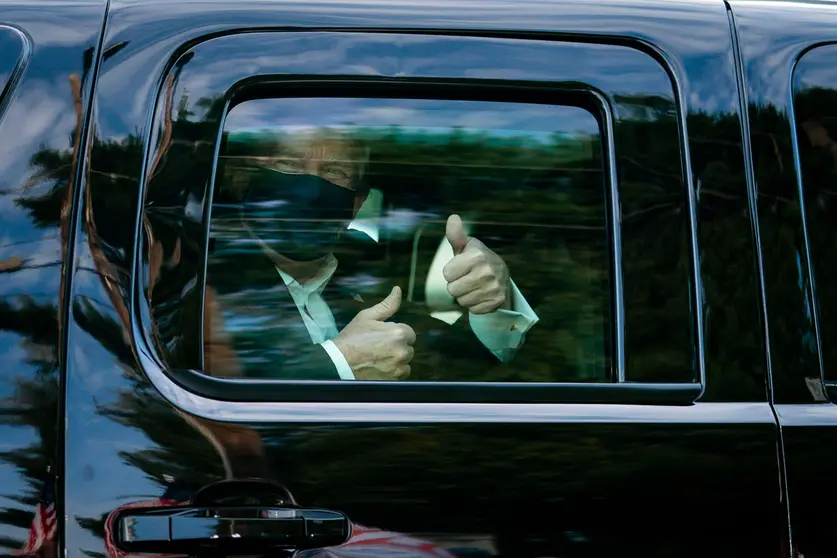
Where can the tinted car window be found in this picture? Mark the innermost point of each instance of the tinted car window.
(453, 202)
(815, 105)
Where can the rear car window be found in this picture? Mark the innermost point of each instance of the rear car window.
(815, 111)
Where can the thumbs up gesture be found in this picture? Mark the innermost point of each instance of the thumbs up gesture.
(374, 348)
(477, 277)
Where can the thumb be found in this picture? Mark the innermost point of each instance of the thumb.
(384, 309)
(455, 234)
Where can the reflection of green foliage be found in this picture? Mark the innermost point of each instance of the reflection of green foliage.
(514, 193)
(539, 203)
(542, 206)
(485, 148)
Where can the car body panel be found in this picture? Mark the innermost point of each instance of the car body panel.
(496, 473)
(775, 38)
(511, 479)
(46, 73)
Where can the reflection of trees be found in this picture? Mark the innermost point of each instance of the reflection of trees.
(32, 406)
(35, 403)
(432, 177)
(516, 189)
(382, 467)
(816, 118)
(143, 409)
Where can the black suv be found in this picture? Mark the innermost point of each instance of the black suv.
(418, 278)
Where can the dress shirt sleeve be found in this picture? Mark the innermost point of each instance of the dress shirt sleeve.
(343, 368)
(503, 331)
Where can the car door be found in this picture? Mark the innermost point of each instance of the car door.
(593, 151)
(792, 89)
(45, 83)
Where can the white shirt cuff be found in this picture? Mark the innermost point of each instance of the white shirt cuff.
(504, 330)
(343, 368)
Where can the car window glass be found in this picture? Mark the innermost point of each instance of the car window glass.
(815, 106)
(489, 217)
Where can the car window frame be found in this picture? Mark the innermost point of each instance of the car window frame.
(304, 391)
(829, 381)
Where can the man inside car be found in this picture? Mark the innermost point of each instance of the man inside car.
(292, 210)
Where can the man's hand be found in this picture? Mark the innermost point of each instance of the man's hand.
(375, 349)
(477, 277)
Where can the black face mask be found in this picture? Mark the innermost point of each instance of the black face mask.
(300, 216)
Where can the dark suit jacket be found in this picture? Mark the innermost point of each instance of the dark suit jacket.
(268, 337)
(569, 343)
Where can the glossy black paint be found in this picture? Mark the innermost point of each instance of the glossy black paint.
(776, 57)
(446, 472)
(46, 72)
(814, 90)
(729, 322)
(770, 53)
(582, 479)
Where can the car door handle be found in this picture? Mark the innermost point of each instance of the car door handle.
(242, 530)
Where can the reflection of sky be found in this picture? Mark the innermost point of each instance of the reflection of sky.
(94, 466)
(617, 70)
(697, 29)
(817, 69)
(98, 479)
(36, 119)
(39, 115)
(433, 116)
(772, 40)
(23, 358)
(223, 61)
